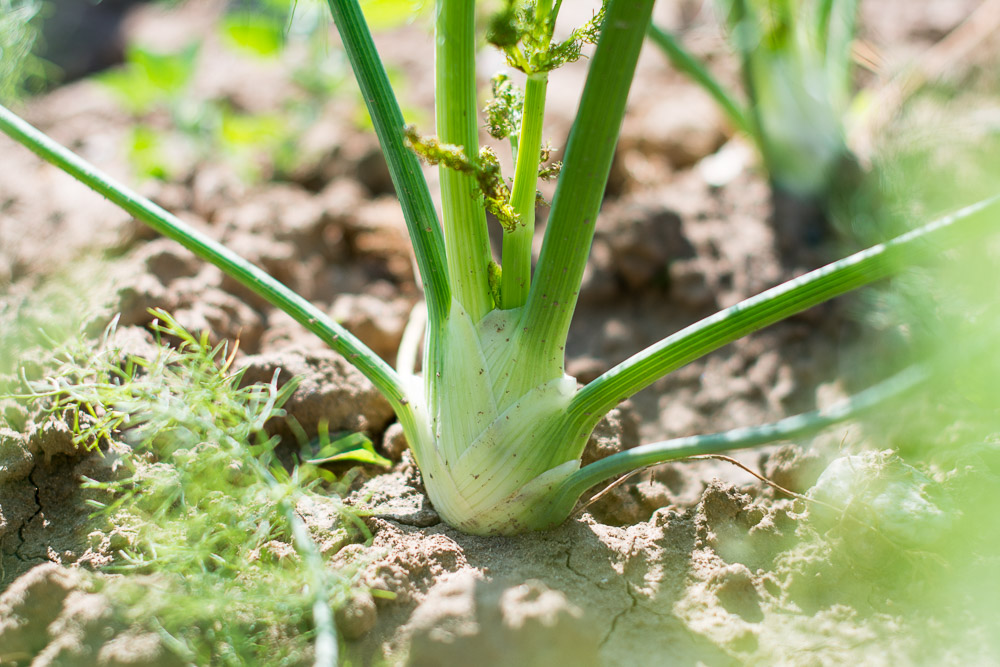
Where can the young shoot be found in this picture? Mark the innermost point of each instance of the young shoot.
(496, 425)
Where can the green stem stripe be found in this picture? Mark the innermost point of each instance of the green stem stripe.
(686, 63)
(274, 292)
(580, 190)
(778, 303)
(516, 277)
(404, 167)
(466, 238)
(790, 427)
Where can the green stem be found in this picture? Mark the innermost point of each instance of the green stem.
(686, 63)
(404, 167)
(777, 303)
(464, 217)
(542, 9)
(823, 12)
(752, 52)
(791, 427)
(589, 151)
(272, 291)
(516, 276)
(837, 28)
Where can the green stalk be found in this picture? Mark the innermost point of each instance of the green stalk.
(682, 59)
(698, 445)
(271, 290)
(837, 30)
(823, 14)
(750, 48)
(590, 148)
(768, 307)
(542, 9)
(466, 239)
(516, 276)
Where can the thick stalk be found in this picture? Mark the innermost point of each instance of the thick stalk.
(837, 30)
(464, 217)
(272, 291)
(516, 276)
(542, 9)
(589, 151)
(697, 340)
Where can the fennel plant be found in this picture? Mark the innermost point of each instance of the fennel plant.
(494, 422)
(796, 68)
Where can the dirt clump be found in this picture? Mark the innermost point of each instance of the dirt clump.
(603, 594)
(524, 624)
(328, 388)
(50, 617)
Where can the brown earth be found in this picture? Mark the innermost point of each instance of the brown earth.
(689, 563)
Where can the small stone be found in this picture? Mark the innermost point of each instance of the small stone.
(394, 442)
(616, 432)
(357, 616)
(16, 461)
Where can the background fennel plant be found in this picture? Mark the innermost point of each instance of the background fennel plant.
(796, 67)
(495, 424)
(20, 70)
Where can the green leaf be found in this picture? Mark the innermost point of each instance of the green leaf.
(147, 155)
(388, 14)
(353, 447)
(251, 130)
(150, 78)
(257, 34)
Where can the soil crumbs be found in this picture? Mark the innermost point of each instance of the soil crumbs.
(689, 563)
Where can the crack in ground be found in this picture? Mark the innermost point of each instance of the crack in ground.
(569, 556)
(27, 522)
(619, 615)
